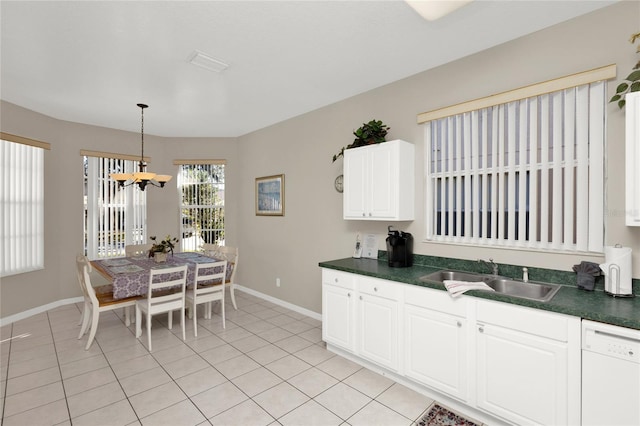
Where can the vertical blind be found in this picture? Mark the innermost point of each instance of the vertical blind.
(22, 207)
(526, 173)
(114, 216)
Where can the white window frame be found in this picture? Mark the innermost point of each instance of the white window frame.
(21, 204)
(489, 143)
(111, 211)
(192, 214)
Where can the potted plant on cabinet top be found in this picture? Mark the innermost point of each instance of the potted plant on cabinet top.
(159, 250)
(369, 133)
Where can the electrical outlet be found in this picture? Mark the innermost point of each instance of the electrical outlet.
(277, 282)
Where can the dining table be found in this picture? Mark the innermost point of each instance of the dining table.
(130, 275)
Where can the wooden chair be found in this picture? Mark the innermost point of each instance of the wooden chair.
(137, 250)
(205, 290)
(98, 300)
(166, 294)
(230, 254)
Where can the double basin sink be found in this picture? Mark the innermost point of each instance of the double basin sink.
(541, 292)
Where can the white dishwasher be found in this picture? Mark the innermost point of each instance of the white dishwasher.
(610, 375)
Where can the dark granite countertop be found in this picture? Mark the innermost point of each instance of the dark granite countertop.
(593, 305)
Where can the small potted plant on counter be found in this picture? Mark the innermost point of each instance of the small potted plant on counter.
(375, 131)
(159, 250)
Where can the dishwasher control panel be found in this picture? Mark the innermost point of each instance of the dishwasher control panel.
(618, 342)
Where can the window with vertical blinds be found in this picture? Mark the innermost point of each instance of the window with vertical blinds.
(22, 205)
(114, 216)
(526, 173)
(201, 186)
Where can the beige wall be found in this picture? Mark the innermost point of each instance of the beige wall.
(312, 229)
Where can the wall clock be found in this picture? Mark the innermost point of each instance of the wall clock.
(339, 183)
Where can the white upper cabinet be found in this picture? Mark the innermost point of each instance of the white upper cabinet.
(632, 158)
(379, 182)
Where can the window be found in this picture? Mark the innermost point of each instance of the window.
(22, 204)
(114, 216)
(526, 173)
(201, 187)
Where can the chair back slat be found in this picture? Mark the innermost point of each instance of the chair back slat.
(209, 277)
(166, 288)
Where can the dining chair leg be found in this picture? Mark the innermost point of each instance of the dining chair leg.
(193, 313)
(86, 319)
(149, 319)
(182, 320)
(170, 315)
(127, 315)
(233, 296)
(224, 325)
(138, 322)
(94, 327)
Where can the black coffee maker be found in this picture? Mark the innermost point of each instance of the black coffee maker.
(399, 249)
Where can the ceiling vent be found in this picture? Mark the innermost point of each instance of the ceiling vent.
(207, 62)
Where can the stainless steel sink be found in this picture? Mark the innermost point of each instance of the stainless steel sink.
(441, 276)
(541, 292)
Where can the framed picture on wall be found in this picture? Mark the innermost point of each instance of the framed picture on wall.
(270, 196)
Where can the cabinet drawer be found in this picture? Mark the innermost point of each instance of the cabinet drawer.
(338, 278)
(436, 300)
(532, 321)
(378, 287)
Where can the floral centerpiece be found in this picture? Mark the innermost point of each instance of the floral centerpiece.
(160, 249)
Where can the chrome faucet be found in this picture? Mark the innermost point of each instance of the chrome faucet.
(491, 264)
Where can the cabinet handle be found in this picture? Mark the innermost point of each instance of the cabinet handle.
(459, 324)
(360, 297)
(348, 294)
(363, 214)
(370, 214)
(375, 289)
(481, 329)
(336, 279)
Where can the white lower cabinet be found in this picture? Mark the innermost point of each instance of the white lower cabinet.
(378, 331)
(519, 364)
(436, 342)
(338, 309)
(523, 364)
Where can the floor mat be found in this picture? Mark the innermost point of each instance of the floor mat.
(440, 416)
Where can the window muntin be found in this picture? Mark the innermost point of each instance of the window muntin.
(201, 188)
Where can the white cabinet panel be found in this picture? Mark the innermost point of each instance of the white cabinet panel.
(378, 330)
(521, 377)
(632, 158)
(379, 182)
(338, 316)
(436, 350)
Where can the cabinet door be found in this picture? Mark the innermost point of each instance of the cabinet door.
(378, 330)
(356, 185)
(338, 314)
(383, 164)
(436, 350)
(521, 377)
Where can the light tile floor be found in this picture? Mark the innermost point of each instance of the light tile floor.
(268, 367)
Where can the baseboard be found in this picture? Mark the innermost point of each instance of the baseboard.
(40, 309)
(279, 302)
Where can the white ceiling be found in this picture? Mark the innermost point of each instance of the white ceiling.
(93, 61)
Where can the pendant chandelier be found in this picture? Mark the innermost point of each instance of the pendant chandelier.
(142, 177)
